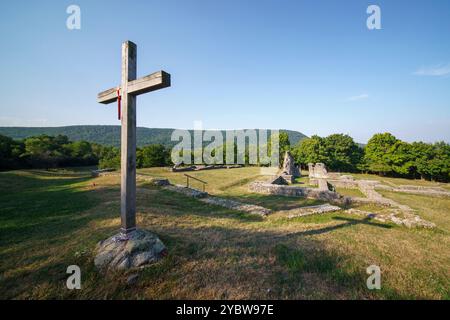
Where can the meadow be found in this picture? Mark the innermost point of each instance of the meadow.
(52, 219)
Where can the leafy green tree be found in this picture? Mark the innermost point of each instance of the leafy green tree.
(439, 164)
(378, 153)
(400, 159)
(10, 151)
(154, 155)
(384, 154)
(310, 150)
(422, 153)
(338, 152)
(44, 151)
(80, 153)
(284, 145)
(342, 153)
(109, 158)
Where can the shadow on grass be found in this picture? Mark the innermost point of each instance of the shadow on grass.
(207, 260)
(173, 203)
(283, 262)
(43, 207)
(349, 222)
(45, 227)
(272, 201)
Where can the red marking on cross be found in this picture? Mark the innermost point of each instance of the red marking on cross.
(119, 111)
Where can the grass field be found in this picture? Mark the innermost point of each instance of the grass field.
(50, 220)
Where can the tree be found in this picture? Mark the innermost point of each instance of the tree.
(284, 145)
(439, 164)
(154, 155)
(342, 153)
(378, 153)
(109, 158)
(400, 159)
(422, 153)
(310, 150)
(338, 152)
(10, 152)
(44, 151)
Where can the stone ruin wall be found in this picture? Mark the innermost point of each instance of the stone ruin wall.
(339, 183)
(319, 171)
(282, 190)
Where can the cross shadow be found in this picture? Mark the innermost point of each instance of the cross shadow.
(349, 222)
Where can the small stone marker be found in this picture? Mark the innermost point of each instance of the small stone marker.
(290, 170)
(130, 248)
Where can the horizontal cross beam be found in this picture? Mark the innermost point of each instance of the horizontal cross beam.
(152, 82)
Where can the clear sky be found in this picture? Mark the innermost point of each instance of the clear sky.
(311, 66)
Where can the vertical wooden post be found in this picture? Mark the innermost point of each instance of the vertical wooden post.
(129, 88)
(128, 140)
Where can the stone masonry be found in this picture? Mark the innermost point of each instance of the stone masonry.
(290, 169)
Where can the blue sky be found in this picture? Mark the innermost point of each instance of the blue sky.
(311, 66)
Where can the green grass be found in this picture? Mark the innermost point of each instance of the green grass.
(52, 219)
(399, 181)
(350, 192)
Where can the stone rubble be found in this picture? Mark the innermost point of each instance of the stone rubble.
(310, 210)
(396, 216)
(235, 205)
(190, 192)
(132, 279)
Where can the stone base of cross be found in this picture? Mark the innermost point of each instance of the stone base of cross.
(126, 94)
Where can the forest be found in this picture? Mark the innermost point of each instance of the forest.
(384, 154)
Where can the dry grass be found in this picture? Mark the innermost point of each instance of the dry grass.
(49, 221)
(401, 181)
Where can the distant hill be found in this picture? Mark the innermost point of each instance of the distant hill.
(110, 135)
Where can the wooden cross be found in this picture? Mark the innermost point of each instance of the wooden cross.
(129, 89)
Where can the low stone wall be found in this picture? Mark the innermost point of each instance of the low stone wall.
(104, 172)
(310, 210)
(153, 181)
(235, 205)
(194, 193)
(338, 183)
(267, 188)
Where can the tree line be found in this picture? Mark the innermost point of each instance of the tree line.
(384, 154)
(45, 151)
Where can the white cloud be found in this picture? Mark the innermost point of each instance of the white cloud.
(358, 97)
(434, 71)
